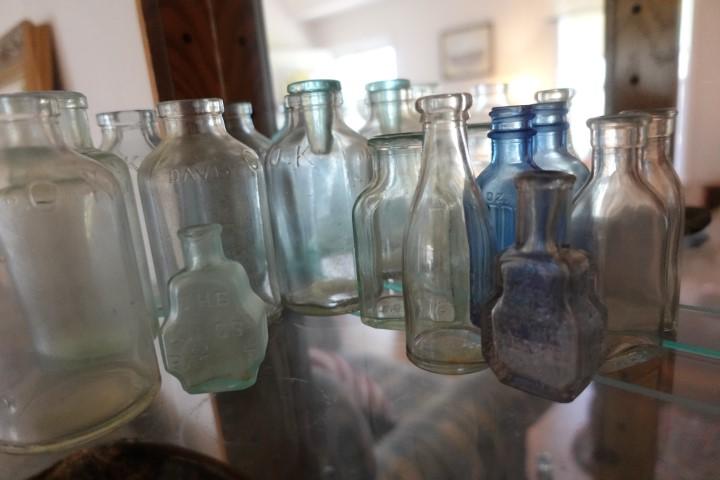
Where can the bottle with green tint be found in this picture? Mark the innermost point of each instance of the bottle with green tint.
(391, 108)
(216, 333)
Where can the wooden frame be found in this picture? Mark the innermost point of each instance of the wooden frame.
(466, 53)
(26, 58)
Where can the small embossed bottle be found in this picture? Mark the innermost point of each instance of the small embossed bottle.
(200, 174)
(216, 333)
(391, 108)
(238, 118)
(511, 137)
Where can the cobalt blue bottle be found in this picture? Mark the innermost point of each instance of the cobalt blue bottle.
(511, 137)
(550, 149)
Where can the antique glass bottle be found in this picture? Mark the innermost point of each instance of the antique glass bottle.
(549, 148)
(479, 147)
(282, 131)
(132, 135)
(239, 122)
(448, 252)
(380, 215)
(545, 335)
(511, 137)
(487, 97)
(391, 108)
(657, 169)
(200, 174)
(560, 95)
(622, 224)
(315, 174)
(216, 333)
(76, 346)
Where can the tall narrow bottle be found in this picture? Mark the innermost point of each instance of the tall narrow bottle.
(511, 137)
(479, 147)
(239, 122)
(391, 109)
(449, 250)
(560, 95)
(622, 224)
(315, 174)
(200, 174)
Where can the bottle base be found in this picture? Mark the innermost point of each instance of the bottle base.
(324, 299)
(449, 351)
(397, 324)
(625, 351)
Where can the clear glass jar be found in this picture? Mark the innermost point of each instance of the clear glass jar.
(380, 216)
(549, 148)
(449, 277)
(546, 332)
(391, 108)
(76, 346)
(479, 147)
(239, 122)
(488, 96)
(132, 135)
(560, 95)
(315, 174)
(200, 174)
(622, 224)
(511, 138)
(216, 333)
(75, 129)
(657, 169)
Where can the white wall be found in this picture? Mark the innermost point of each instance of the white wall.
(99, 48)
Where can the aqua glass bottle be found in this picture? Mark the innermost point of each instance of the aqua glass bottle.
(200, 174)
(622, 224)
(545, 335)
(75, 129)
(76, 346)
(391, 108)
(282, 131)
(380, 216)
(216, 332)
(549, 148)
(315, 173)
(511, 137)
(488, 96)
(479, 147)
(239, 123)
(560, 95)
(449, 278)
(132, 135)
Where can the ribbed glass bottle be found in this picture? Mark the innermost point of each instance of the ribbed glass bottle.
(391, 108)
(239, 124)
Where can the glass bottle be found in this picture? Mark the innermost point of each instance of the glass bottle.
(487, 97)
(479, 147)
(132, 135)
(76, 346)
(200, 174)
(75, 129)
(216, 332)
(560, 95)
(391, 109)
(315, 174)
(549, 148)
(448, 252)
(545, 335)
(621, 223)
(380, 215)
(511, 137)
(239, 122)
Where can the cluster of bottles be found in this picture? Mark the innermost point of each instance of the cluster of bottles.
(201, 235)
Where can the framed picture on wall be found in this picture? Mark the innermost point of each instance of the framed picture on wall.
(466, 52)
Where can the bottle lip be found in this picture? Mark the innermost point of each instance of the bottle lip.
(397, 140)
(195, 106)
(382, 85)
(443, 104)
(66, 99)
(555, 95)
(238, 109)
(661, 121)
(194, 232)
(544, 179)
(16, 106)
(309, 86)
(125, 118)
(511, 118)
(619, 131)
(486, 89)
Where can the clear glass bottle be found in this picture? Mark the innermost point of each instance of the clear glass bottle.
(560, 95)
(315, 174)
(239, 122)
(380, 215)
(423, 89)
(76, 345)
(449, 252)
(549, 148)
(545, 335)
(657, 169)
(391, 108)
(132, 135)
(511, 137)
(200, 174)
(75, 129)
(216, 333)
(622, 224)
(487, 97)
(479, 147)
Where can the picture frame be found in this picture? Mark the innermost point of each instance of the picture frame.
(467, 52)
(26, 59)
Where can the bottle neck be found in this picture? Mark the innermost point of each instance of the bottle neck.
(658, 150)
(191, 124)
(389, 114)
(75, 129)
(31, 131)
(317, 114)
(202, 249)
(609, 161)
(245, 123)
(445, 148)
(510, 150)
(550, 140)
(540, 212)
(136, 134)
